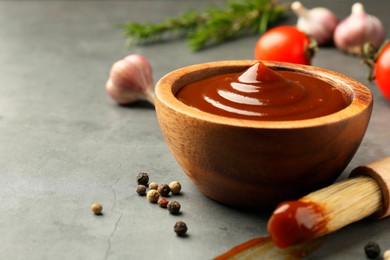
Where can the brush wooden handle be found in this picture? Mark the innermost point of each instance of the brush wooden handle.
(380, 172)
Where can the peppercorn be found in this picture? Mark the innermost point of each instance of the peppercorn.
(143, 178)
(180, 228)
(97, 208)
(372, 250)
(141, 190)
(152, 196)
(175, 187)
(153, 186)
(163, 202)
(174, 207)
(386, 255)
(164, 190)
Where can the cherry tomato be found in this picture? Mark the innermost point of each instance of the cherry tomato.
(287, 44)
(382, 71)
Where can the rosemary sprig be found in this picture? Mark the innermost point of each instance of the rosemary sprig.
(212, 26)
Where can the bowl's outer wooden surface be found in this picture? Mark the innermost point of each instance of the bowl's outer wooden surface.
(252, 163)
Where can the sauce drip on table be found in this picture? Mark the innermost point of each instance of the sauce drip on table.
(294, 222)
(264, 248)
(263, 94)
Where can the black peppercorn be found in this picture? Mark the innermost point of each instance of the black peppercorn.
(180, 228)
(372, 250)
(143, 178)
(174, 207)
(164, 190)
(141, 190)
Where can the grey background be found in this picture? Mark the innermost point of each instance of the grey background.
(65, 144)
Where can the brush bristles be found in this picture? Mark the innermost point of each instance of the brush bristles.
(347, 201)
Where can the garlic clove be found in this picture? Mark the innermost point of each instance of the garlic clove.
(143, 67)
(123, 96)
(131, 80)
(357, 29)
(318, 22)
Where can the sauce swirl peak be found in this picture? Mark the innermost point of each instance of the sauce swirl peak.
(260, 93)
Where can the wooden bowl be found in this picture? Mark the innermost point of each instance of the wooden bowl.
(248, 163)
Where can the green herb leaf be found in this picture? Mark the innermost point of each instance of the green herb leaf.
(212, 26)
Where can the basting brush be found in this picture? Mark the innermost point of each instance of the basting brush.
(294, 225)
(365, 193)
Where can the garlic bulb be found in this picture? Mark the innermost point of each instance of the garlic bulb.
(131, 80)
(318, 22)
(357, 29)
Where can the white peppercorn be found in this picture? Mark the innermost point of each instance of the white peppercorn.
(152, 196)
(97, 208)
(153, 185)
(386, 255)
(175, 187)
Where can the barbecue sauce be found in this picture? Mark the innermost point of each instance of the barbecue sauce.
(261, 93)
(295, 222)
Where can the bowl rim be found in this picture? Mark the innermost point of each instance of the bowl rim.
(361, 97)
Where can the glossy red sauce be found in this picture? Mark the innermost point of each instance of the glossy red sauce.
(263, 94)
(264, 248)
(294, 222)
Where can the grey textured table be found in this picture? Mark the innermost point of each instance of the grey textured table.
(64, 144)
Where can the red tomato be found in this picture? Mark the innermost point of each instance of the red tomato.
(285, 43)
(382, 71)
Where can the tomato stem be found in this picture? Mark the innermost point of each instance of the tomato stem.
(371, 54)
(312, 48)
